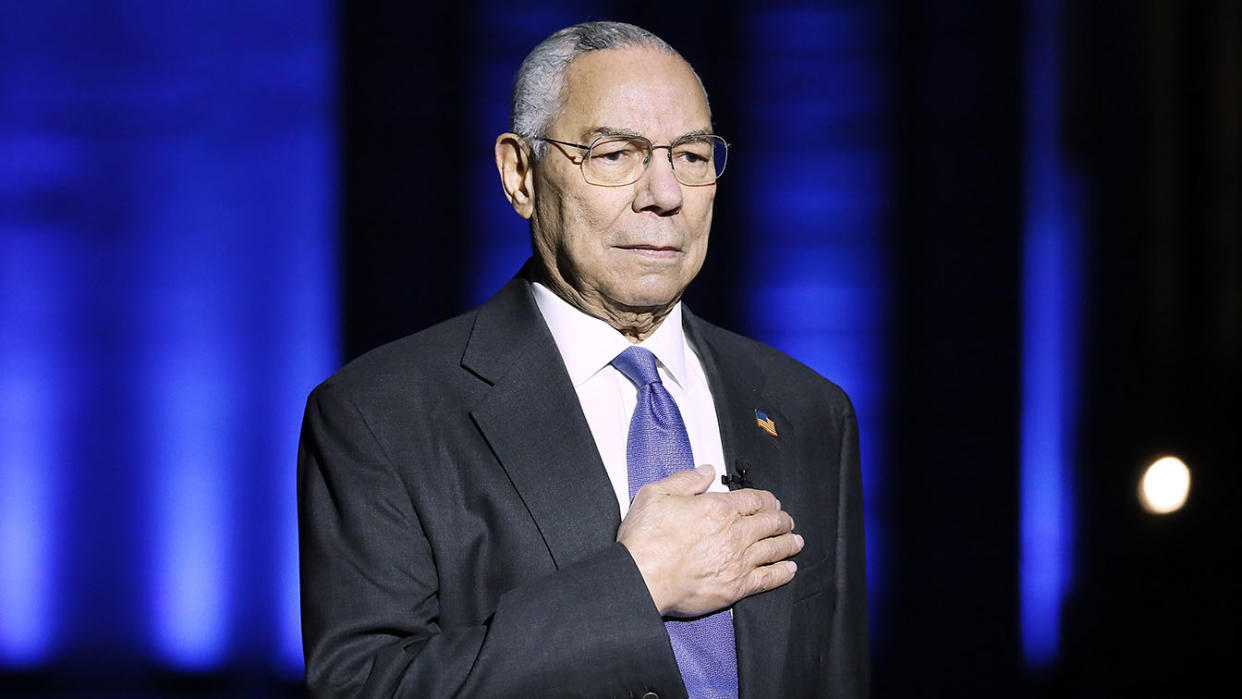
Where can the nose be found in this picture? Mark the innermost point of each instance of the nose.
(658, 190)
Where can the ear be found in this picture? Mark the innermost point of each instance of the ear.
(516, 166)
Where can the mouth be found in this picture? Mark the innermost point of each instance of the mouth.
(657, 252)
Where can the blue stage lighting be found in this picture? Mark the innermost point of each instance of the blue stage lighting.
(1051, 289)
(169, 300)
(811, 168)
(32, 392)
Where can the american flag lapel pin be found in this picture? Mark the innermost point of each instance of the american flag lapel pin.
(766, 423)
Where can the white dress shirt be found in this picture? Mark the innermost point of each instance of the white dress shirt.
(588, 345)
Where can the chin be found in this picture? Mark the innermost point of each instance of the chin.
(650, 295)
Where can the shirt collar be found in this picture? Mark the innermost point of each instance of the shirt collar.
(588, 344)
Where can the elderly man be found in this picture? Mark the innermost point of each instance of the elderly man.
(508, 504)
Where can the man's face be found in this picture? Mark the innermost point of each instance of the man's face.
(623, 249)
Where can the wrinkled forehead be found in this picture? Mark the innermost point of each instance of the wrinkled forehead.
(642, 90)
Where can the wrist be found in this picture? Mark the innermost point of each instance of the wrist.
(652, 578)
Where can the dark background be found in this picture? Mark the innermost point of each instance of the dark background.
(1152, 109)
(1149, 104)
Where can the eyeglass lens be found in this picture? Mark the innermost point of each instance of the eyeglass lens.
(617, 160)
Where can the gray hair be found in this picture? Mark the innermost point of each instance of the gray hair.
(539, 89)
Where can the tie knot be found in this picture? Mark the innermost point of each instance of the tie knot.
(638, 365)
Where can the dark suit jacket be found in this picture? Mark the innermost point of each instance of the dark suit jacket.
(458, 529)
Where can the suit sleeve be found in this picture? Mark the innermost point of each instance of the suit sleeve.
(370, 595)
(849, 656)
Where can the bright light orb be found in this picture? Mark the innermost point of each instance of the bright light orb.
(1164, 486)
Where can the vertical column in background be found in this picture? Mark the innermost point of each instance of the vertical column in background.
(501, 237)
(1051, 287)
(238, 234)
(816, 169)
(45, 344)
(34, 385)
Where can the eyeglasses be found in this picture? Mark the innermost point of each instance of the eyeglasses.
(615, 161)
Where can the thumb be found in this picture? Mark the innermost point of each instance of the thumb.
(690, 481)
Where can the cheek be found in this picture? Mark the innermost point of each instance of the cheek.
(701, 221)
(563, 222)
(588, 221)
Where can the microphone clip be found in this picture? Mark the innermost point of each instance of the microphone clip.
(738, 478)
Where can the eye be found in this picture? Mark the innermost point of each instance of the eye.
(615, 152)
(693, 152)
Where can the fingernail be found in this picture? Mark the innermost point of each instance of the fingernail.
(793, 567)
(704, 469)
(798, 538)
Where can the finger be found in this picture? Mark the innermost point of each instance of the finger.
(773, 549)
(767, 577)
(762, 525)
(749, 501)
(688, 482)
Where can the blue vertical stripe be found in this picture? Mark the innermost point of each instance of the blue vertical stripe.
(813, 173)
(192, 250)
(192, 513)
(1051, 286)
(32, 312)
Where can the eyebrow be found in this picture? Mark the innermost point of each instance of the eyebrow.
(612, 131)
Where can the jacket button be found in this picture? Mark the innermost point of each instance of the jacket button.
(651, 695)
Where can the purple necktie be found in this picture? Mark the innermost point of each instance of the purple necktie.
(658, 446)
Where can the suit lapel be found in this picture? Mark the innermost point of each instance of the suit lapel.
(761, 622)
(534, 424)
